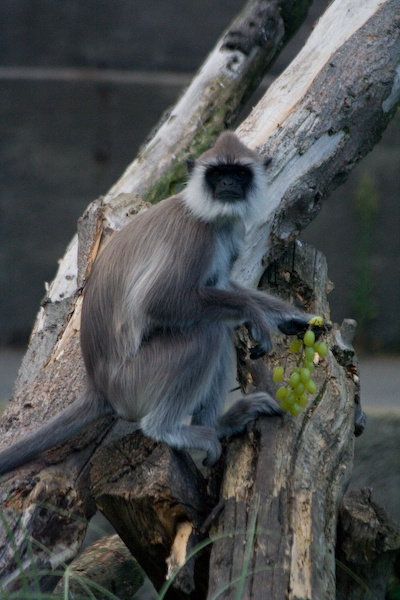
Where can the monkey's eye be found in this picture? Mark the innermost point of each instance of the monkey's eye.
(243, 173)
(214, 174)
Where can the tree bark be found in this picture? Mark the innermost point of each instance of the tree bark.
(282, 501)
(157, 501)
(369, 541)
(326, 111)
(106, 566)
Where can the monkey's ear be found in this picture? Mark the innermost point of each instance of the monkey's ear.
(267, 161)
(190, 164)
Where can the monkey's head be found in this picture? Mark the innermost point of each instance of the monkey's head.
(226, 181)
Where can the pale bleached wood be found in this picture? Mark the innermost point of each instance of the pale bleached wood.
(284, 479)
(341, 20)
(318, 119)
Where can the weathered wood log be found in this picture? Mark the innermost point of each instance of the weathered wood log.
(157, 501)
(105, 567)
(320, 117)
(368, 543)
(283, 481)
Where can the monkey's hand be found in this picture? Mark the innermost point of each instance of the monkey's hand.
(213, 453)
(298, 325)
(294, 325)
(262, 339)
(258, 351)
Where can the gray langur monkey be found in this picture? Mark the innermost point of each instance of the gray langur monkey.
(159, 313)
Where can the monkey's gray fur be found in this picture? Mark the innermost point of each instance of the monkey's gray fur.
(159, 311)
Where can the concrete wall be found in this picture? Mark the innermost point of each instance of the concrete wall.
(67, 135)
(337, 231)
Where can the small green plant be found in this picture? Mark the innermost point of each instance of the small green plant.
(82, 588)
(30, 575)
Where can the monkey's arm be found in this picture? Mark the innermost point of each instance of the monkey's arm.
(279, 314)
(205, 304)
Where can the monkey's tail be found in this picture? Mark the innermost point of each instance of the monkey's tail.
(86, 409)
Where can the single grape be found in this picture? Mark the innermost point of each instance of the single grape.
(303, 399)
(285, 405)
(305, 374)
(278, 374)
(281, 393)
(309, 365)
(299, 389)
(291, 397)
(322, 349)
(311, 387)
(294, 379)
(309, 338)
(309, 353)
(294, 409)
(318, 321)
(295, 346)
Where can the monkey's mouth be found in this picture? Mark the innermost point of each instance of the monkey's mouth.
(228, 196)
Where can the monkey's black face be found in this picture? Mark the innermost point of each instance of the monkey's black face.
(229, 183)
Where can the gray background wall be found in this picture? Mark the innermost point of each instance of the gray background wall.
(82, 84)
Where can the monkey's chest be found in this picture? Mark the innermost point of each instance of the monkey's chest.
(225, 255)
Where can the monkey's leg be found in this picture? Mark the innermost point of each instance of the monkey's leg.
(166, 382)
(245, 410)
(214, 398)
(185, 437)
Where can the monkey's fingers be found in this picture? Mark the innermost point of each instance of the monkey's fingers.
(319, 327)
(294, 325)
(262, 341)
(360, 420)
(298, 326)
(213, 454)
(319, 324)
(260, 350)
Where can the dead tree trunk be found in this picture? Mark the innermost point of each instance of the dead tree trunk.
(284, 480)
(368, 543)
(277, 533)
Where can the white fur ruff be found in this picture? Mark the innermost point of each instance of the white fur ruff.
(200, 202)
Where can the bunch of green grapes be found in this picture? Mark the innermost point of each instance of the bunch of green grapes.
(294, 395)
